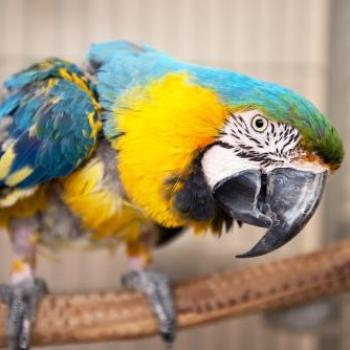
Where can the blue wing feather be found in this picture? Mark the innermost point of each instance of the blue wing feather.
(50, 68)
(51, 130)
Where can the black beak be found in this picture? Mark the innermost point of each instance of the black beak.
(282, 200)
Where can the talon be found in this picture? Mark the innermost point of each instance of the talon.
(156, 287)
(22, 300)
(170, 335)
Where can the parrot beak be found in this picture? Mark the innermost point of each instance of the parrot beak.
(283, 200)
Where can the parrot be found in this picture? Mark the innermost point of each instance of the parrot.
(137, 146)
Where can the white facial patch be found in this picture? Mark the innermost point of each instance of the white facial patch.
(251, 141)
(274, 143)
(219, 163)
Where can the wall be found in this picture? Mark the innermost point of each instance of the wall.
(286, 41)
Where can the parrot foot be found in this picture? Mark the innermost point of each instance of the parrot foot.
(22, 300)
(156, 287)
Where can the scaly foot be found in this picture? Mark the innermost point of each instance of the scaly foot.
(22, 300)
(156, 287)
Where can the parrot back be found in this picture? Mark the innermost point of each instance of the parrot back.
(49, 124)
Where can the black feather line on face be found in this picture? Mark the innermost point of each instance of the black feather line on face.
(281, 137)
(194, 200)
(222, 144)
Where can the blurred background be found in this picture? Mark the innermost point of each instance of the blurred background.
(304, 45)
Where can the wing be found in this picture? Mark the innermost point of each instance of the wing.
(49, 123)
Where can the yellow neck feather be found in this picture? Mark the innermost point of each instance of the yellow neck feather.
(164, 126)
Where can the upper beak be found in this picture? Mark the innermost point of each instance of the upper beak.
(283, 200)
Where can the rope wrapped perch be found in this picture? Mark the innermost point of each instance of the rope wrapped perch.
(105, 316)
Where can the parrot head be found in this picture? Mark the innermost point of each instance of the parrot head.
(204, 146)
(270, 162)
(267, 176)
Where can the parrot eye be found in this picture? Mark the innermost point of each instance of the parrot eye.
(259, 123)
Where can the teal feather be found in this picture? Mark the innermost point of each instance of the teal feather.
(49, 130)
(50, 68)
(121, 65)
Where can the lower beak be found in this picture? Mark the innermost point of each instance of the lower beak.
(282, 200)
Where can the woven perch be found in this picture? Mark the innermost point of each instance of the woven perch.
(107, 316)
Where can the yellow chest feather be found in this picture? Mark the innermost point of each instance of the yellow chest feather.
(101, 209)
(164, 126)
(22, 206)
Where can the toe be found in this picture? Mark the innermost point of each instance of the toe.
(22, 300)
(168, 338)
(157, 288)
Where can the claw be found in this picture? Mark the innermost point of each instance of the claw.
(156, 287)
(22, 300)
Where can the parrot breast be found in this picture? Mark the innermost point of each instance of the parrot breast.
(86, 208)
(163, 127)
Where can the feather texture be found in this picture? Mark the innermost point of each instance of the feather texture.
(122, 66)
(51, 124)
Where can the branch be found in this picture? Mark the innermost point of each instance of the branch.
(109, 316)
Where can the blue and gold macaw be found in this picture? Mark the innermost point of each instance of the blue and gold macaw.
(141, 146)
